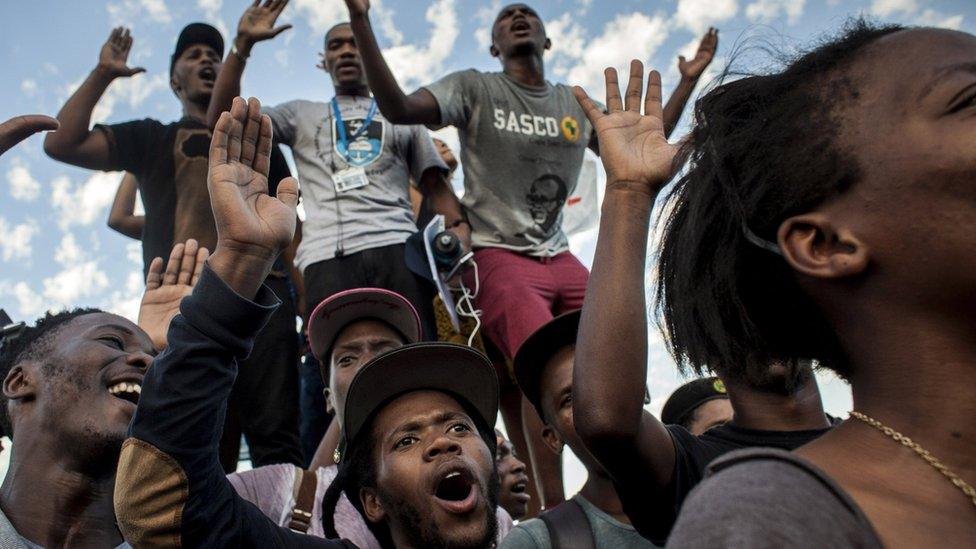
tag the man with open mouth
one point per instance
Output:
(513, 495)
(170, 164)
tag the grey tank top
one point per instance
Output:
(765, 497)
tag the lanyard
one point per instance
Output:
(341, 128)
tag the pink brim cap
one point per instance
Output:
(341, 309)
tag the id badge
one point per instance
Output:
(349, 179)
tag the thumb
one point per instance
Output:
(134, 71)
(288, 192)
(280, 30)
(681, 59)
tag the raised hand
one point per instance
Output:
(165, 289)
(114, 57)
(703, 57)
(357, 7)
(258, 22)
(19, 128)
(252, 227)
(634, 149)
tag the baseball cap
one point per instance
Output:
(341, 309)
(535, 352)
(458, 370)
(193, 34)
(689, 396)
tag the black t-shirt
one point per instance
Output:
(692, 454)
(170, 162)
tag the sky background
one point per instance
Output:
(55, 249)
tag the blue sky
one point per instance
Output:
(55, 249)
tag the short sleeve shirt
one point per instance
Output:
(378, 214)
(607, 531)
(170, 162)
(521, 152)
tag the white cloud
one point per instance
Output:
(68, 253)
(282, 57)
(85, 203)
(65, 288)
(127, 12)
(29, 87)
(415, 64)
(698, 15)
(23, 185)
(132, 91)
(767, 11)
(15, 240)
(126, 303)
(887, 8)
(909, 11)
(626, 37)
(485, 17)
(29, 302)
(568, 43)
(320, 15)
(932, 18)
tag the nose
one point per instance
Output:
(443, 445)
(518, 467)
(139, 360)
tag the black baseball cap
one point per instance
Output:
(535, 352)
(193, 34)
(458, 370)
(685, 399)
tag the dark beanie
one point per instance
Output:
(685, 399)
(193, 34)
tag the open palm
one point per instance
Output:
(166, 289)
(249, 221)
(114, 57)
(703, 57)
(633, 147)
(258, 21)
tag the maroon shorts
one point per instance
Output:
(519, 293)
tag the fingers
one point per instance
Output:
(252, 128)
(218, 143)
(614, 103)
(173, 265)
(280, 6)
(19, 128)
(288, 192)
(262, 161)
(593, 112)
(238, 114)
(187, 262)
(652, 101)
(155, 276)
(202, 255)
(632, 97)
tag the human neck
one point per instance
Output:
(599, 491)
(55, 502)
(361, 90)
(912, 376)
(525, 69)
(765, 411)
(195, 111)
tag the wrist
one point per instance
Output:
(242, 47)
(631, 190)
(104, 72)
(241, 270)
(689, 80)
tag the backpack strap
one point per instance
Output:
(306, 482)
(568, 526)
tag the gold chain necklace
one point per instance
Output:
(922, 453)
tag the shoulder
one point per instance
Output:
(527, 534)
(765, 497)
(267, 479)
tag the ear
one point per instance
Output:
(552, 440)
(548, 45)
(18, 384)
(174, 85)
(494, 51)
(372, 506)
(814, 246)
(329, 401)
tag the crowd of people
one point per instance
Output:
(816, 216)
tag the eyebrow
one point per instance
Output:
(941, 73)
(128, 331)
(442, 417)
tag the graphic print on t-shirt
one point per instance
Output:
(545, 200)
(366, 148)
(193, 216)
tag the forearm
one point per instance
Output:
(676, 104)
(611, 352)
(129, 225)
(228, 84)
(75, 120)
(440, 196)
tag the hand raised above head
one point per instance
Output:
(357, 7)
(252, 227)
(258, 22)
(114, 57)
(19, 128)
(703, 57)
(633, 147)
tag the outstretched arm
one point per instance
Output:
(420, 107)
(611, 350)
(690, 71)
(19, 128)
(256, 24)
(121, 218)
(74, 142)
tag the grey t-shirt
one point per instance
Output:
(521, 151)
(376, 215)
(764, 497)
(607, 531)
(10, 538)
